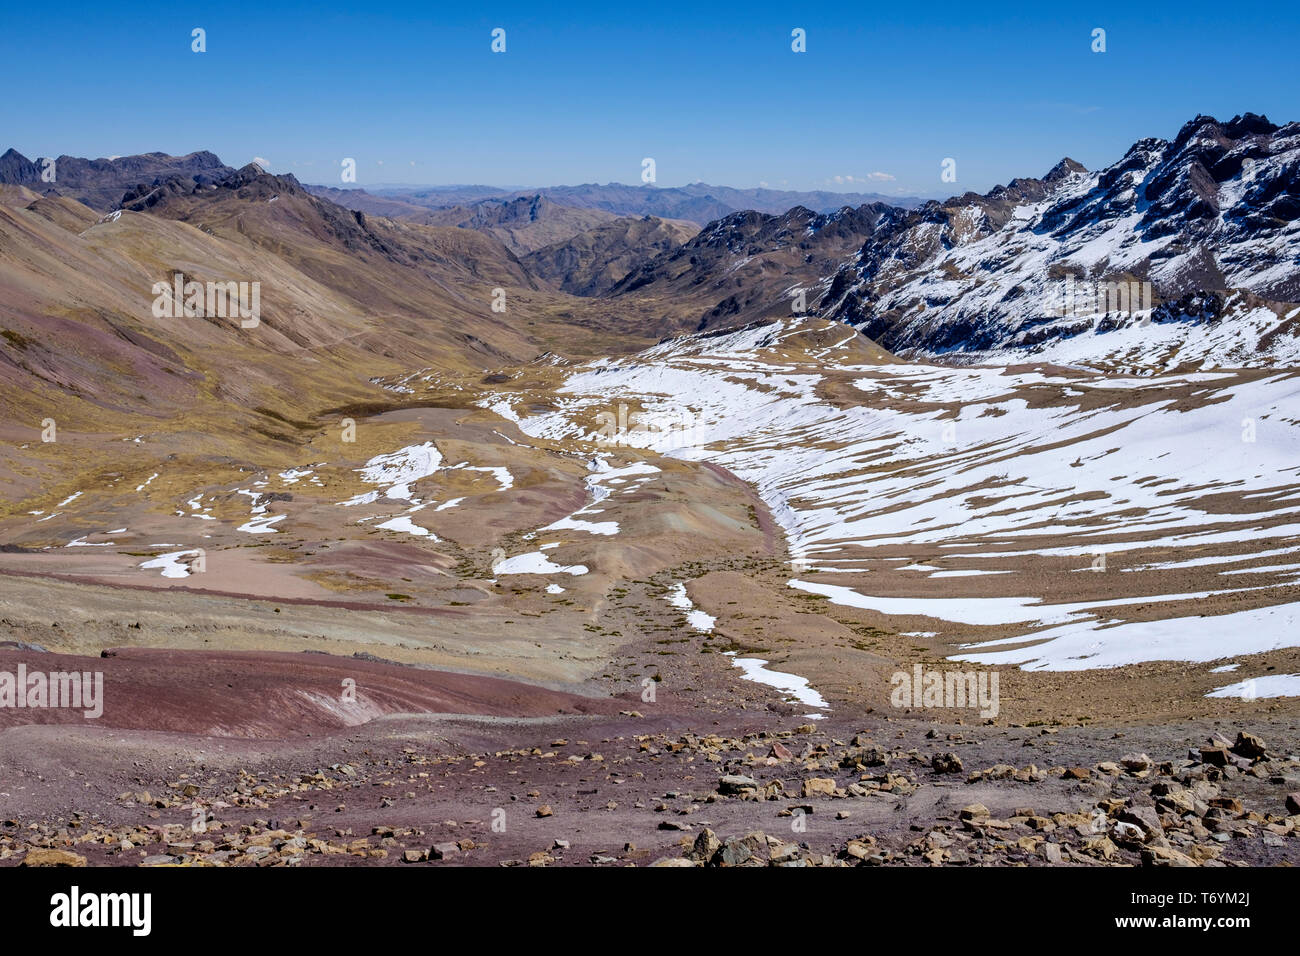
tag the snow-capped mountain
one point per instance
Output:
(1184, 250)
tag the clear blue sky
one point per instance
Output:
(712, 92)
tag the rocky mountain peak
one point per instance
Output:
(1066, 168)
(1210, 213)
(17, 169)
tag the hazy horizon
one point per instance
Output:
(875, 103)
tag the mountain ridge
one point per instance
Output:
(1205, 227)
(700, 203)
(1215, 213)
(100, 183)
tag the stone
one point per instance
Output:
(1214, 756)
(415, 856)
(819, 787)
(545, 810)
(865, 757)
(938, 838)
(1078, 773)
(674, 861)
(1293, 802)
(1249, 746)
(946, 763)
(734, 784)
(1178, 801)
(861, 848)
(780, 751)
(1136, 762)
(734, 853)
(1145, 819)
(976, 811)
(444, 851)
(42, 857)
(1204, 853)
(785, 853)
(1230, 804)
(1165, 856)
(1101, 847)
(706, 845)
(751, 849)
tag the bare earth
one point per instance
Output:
(486, 660)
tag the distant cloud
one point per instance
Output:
(876, 177)
(264, 163)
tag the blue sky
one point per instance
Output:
(584, 92)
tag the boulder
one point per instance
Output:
(946, 763)
(42, 857)
(819, 787)
(1249, 746)
(734, 784)
(1165, 856)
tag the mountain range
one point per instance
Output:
(699, 203)
(100, 183)
(618, 513)
(1202, 229)
(1210, 219)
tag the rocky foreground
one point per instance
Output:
(628, 791)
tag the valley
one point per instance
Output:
(627, 571)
